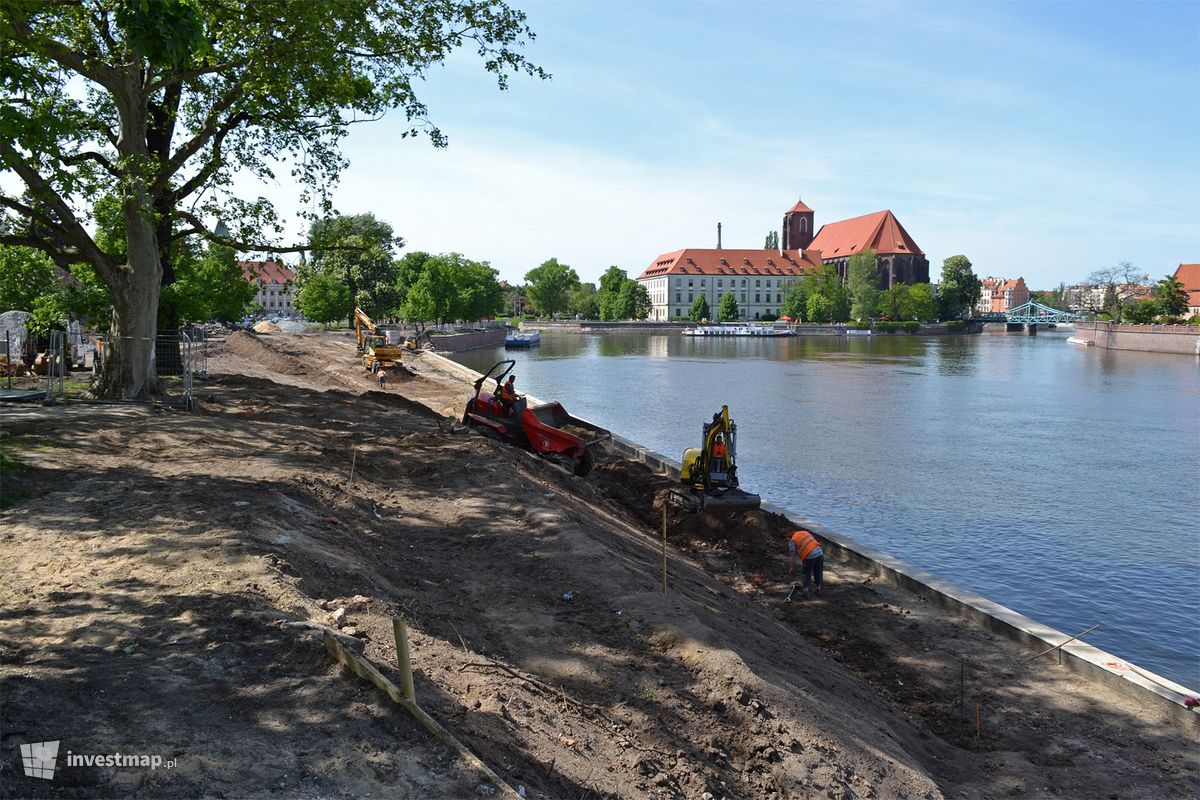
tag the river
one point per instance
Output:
(1057, 480)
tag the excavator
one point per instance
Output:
(373, 345)
(709, 472)
(546, 429)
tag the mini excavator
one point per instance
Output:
(709, 472)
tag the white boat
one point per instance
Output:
(761, 331)
(1077, 340)
(523, 339)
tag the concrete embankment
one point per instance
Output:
(645, 326)
(1075, 655)
(1176, 339)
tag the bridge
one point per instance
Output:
(1032, 314)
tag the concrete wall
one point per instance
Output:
(1178, 339)
(1076, 656)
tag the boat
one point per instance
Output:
(523, 339)
(760, 331)
(1077, 340)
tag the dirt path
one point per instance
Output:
(169, 572)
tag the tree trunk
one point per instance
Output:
(129, 370)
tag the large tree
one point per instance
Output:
(549, 284)
(163, 103)
(862, 281)
(700, 309)
(795, 301)
(1118, 284)
(610, 293)
(323, 298)
(1172, 297)
(634, 300)
(959, 291)
(727, 308)
(360, 250)
(25, 275)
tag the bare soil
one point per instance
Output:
(168, 576)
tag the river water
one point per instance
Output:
(1057, 480)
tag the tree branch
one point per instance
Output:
(68, 254)
(64, 56)
(226, 241)
(214, 162)
(67, 223)
(79, 158)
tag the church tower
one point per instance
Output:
(798, 227)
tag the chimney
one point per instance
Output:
(718, 236)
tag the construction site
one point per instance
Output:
(310, 582)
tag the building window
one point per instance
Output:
(778, 298)
(678, 297)
(691, 297)
(743, 283)
(720, 283)
(757, 283)
(758, 298)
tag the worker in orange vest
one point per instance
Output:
(508, 394)
(804, 546)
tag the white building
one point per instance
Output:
(276, 284)
(758, 279)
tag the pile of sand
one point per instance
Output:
(266, 326)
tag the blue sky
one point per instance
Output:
(1040, 139)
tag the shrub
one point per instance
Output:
(955, 325)
(1194, 319)
(859, 326)
(910, 326)
(769, 317)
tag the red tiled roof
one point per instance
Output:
(799, 207)
(880, 232)
(267, 271)
(694, 261)
(1194, 298)
(1189, 276)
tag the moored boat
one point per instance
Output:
(523, 339)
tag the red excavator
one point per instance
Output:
(542, 429)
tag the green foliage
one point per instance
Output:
(584, 302)
(210, 288)
(956, 326)
(323, 298)
(548, 285)
(700, 309)
(862, 281)
(358, 249)
(25, 275)
(820, 308)
(727, 309)
(892, 301)
(1194, 319)
(408, 271)
(960, 288)
(453, 287)
(610, 291)
(1141, 312)
(1111, 305)
(918, 303)
(1172, 297)
(634, 300)
(795, 301)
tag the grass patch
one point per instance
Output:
(11, 491)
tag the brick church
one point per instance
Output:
(897, 256)
(759, 278)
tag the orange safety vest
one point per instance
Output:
(718, 450)
(805, 544)
(507, 392)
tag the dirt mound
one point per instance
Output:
(267, 326)
(249, 346)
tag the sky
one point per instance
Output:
(1043, 139)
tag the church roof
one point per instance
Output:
(880, 232)
(1189, 276)
(799, 207)
(721, 261)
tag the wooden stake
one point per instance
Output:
(353, 461)
(403, 659)
(664, 548)
(365, 669)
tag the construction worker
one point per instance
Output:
(804, 546)
(382, 379)
(508, 394)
